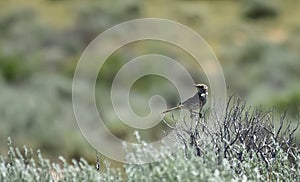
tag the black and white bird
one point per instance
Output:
(195, 103)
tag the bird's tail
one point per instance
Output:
(172, 109)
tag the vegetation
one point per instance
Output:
(242, 145)
(27, 165)
(256, 42)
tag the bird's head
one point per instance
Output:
(202, 88)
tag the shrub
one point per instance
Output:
(31, 166)
(257, 9)
(242, 145)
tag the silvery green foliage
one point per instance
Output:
(242, 146)
(27, 165)
(176, 167)
(183, 165)
(186, 165)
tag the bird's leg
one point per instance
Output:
(192, 114)
(195, 113)
(200, 114)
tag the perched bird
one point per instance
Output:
(193, 104)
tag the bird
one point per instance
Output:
(195, 102)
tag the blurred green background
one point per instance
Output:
(256, 41)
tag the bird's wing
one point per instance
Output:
(191, 100)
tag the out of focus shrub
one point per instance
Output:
(21, 38)
(14, 69)
(267, 74)
(39, 112)
(257, 9)
(94, 18)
